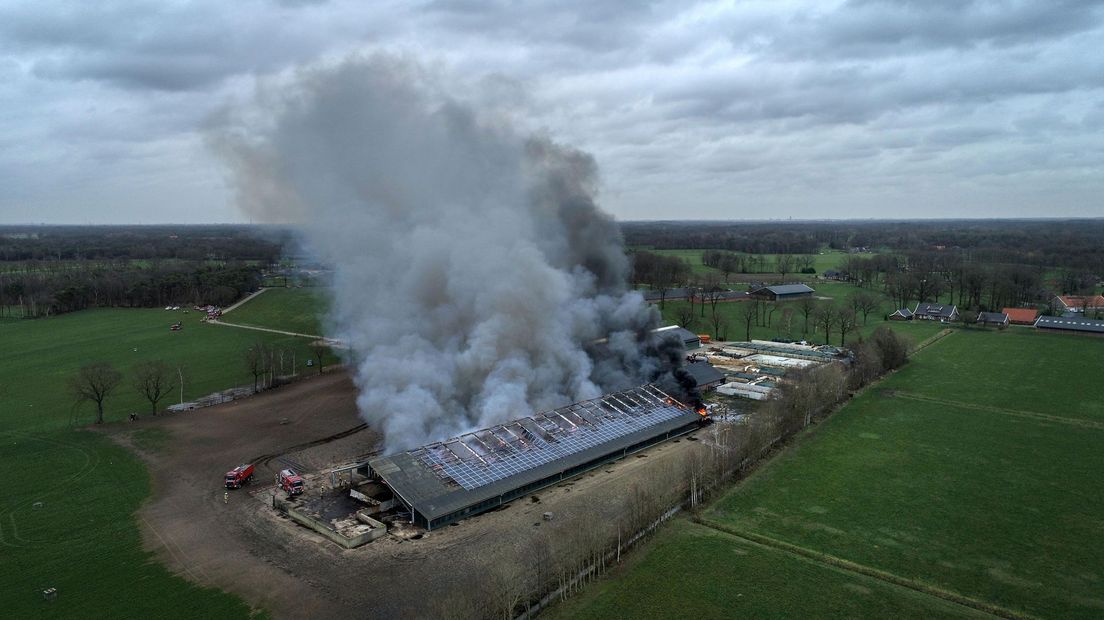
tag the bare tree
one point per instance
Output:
(865, 302)
(845, 322)
(153, 379)
(257, 359)
(807, 305)
(94, 383)
(685, 315)
(784, 265)
(748, 313)
(825, 317)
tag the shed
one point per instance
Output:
(689, 339)
(998, 319)
(783, 292)
(705, 374)
(1073, 325)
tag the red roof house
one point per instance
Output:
(1021, 316)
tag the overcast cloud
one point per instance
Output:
(732, 110)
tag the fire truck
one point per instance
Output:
(238, 476)
(290, 481)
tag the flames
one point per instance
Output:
(702, 411)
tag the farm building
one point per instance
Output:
(935, 312)
(1079, 303)
(670, 294)
(444, 482)
(1021, 316)
(904, 314)
(705, 374)
(783, 292)
(1073, 325)
(996, 319)
(689, 339)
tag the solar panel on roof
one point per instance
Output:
(550, 436)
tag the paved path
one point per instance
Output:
(265, 329)
(247, 298)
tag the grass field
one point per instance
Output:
(840, 294)
(828, 259)
(67, 514)
(973, 472)
(289, 309)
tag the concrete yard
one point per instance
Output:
(246, 547)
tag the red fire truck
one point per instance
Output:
(290, 481)
(238, 476)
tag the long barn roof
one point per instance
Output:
(442, 478)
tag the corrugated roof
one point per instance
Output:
(448, 476)
(992, 317)
(788, 289)
(1076, 324)
(704, 372)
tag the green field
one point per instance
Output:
(839, 293)
(973, 472)
(82, 538)
(827, 259)
(288, 309)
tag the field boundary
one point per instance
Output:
(930, 341)
(1030, 415)
(265, 329)
(861, 569)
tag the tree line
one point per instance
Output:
(155, 379)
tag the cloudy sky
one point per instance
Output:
(731, 110)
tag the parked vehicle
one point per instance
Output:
(239, 476)
(290, 481)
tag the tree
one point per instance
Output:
(257, 359)
(319, 351)
(865, 302)
(94, 383)
(153, 380)
(748, 313)
(825, 317)
(845, 322)
(807, 305)
(785, 265)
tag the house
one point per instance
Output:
(689, 339)
(1070, 325)
(935, 312)
(1079, 303)
(783, 292)
(834, 274)
(705, 374)
(998, 319)
(904, 314)
(1021, 316)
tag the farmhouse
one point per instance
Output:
(1079, 303)
(935, 312)
(998, 319)
(1072, 325)
(449, 480)
(1021, 316)
(904, 314)
(783, 292)
(705, 374)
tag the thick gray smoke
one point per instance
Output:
(473, 269)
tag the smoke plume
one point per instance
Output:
(476, 280)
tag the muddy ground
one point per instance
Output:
(245, 547)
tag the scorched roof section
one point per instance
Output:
(485, 456)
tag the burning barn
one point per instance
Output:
(450, 480)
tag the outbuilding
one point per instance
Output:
(996, 319)
(904, 314)
(783, 292)
(1021, 316)
(1072, 325)
(705, 374)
